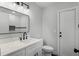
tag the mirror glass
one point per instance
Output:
(12, 21)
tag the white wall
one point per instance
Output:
(35, 14)
(50, 23)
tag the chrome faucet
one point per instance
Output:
(24, 36)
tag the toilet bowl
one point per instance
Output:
(47, 50)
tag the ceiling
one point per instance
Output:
(44, 4)
(47, 4)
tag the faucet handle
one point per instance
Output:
(20, 38)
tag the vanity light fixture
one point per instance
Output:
(22, 4)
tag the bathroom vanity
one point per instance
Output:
(29, 47)
(14, 22)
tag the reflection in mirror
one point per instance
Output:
(13, 22)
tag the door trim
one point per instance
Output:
(58, 26)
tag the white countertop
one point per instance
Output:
(10, 47)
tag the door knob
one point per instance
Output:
(60, 34)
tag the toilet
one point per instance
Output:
(47, 50)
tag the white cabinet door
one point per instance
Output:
(34, 49)
(18, 53)
(67, 30)
(39, 51)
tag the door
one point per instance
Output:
(67, 22)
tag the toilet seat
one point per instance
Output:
(48, 49)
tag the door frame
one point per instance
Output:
(58, 26)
